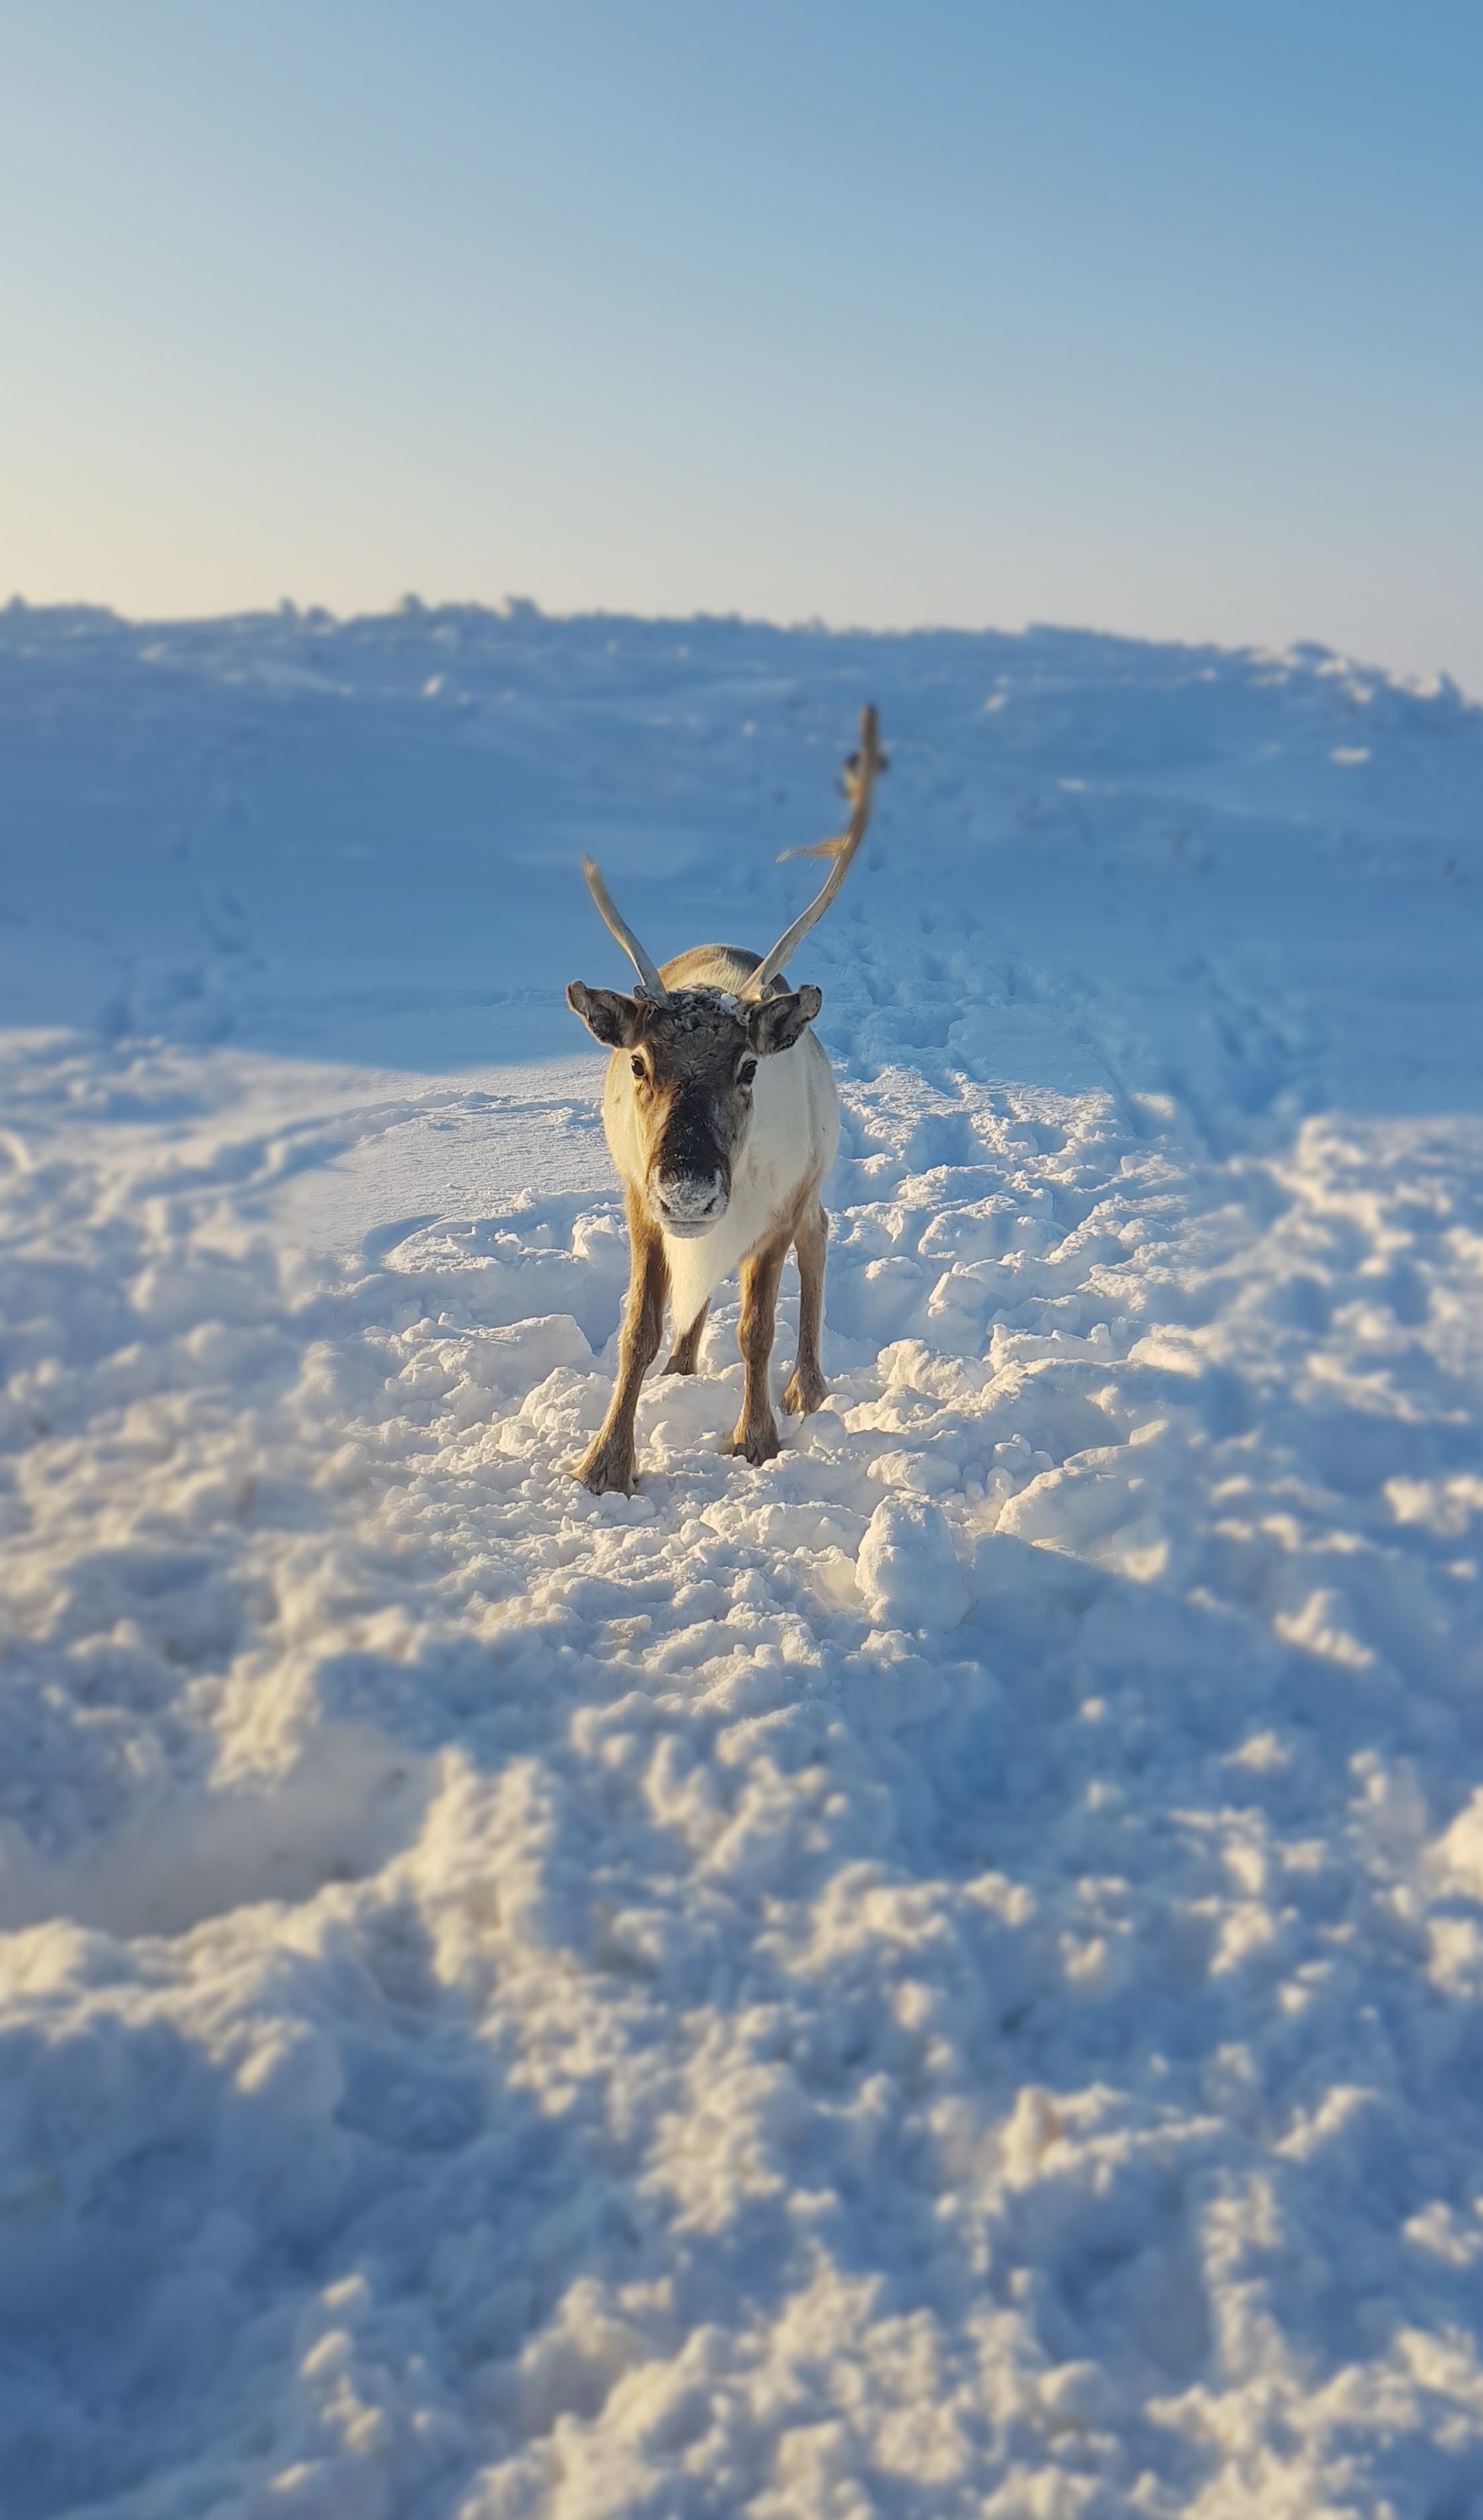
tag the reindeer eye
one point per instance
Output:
(639, 1068)
(746, 1071)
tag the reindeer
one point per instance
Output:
(721, 1115)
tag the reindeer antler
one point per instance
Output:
(612, 919)
(860, 775)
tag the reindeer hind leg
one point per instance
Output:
(687, 1347)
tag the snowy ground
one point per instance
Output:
(940, 1976)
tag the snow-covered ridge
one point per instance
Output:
(940, 1976)
(358, 839)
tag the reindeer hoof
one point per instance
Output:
(606, 1473)
(804, 1393)
(757, 1444)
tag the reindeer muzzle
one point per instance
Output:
(688, 1204)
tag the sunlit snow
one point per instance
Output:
(940, 1976)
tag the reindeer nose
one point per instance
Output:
(689, 1204)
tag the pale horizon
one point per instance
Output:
(975, 319)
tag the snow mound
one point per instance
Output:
(907, 1570)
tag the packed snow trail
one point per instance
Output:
(943, 1975)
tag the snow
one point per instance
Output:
(941, 1975)
(907, 1567)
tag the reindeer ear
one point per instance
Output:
(778, 1022)
(609, 1017)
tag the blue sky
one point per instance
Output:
(1155, 315)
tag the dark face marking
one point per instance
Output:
(692, 1062)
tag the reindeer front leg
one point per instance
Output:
(609, 1467)
(807, 1389)
(756, 1430)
